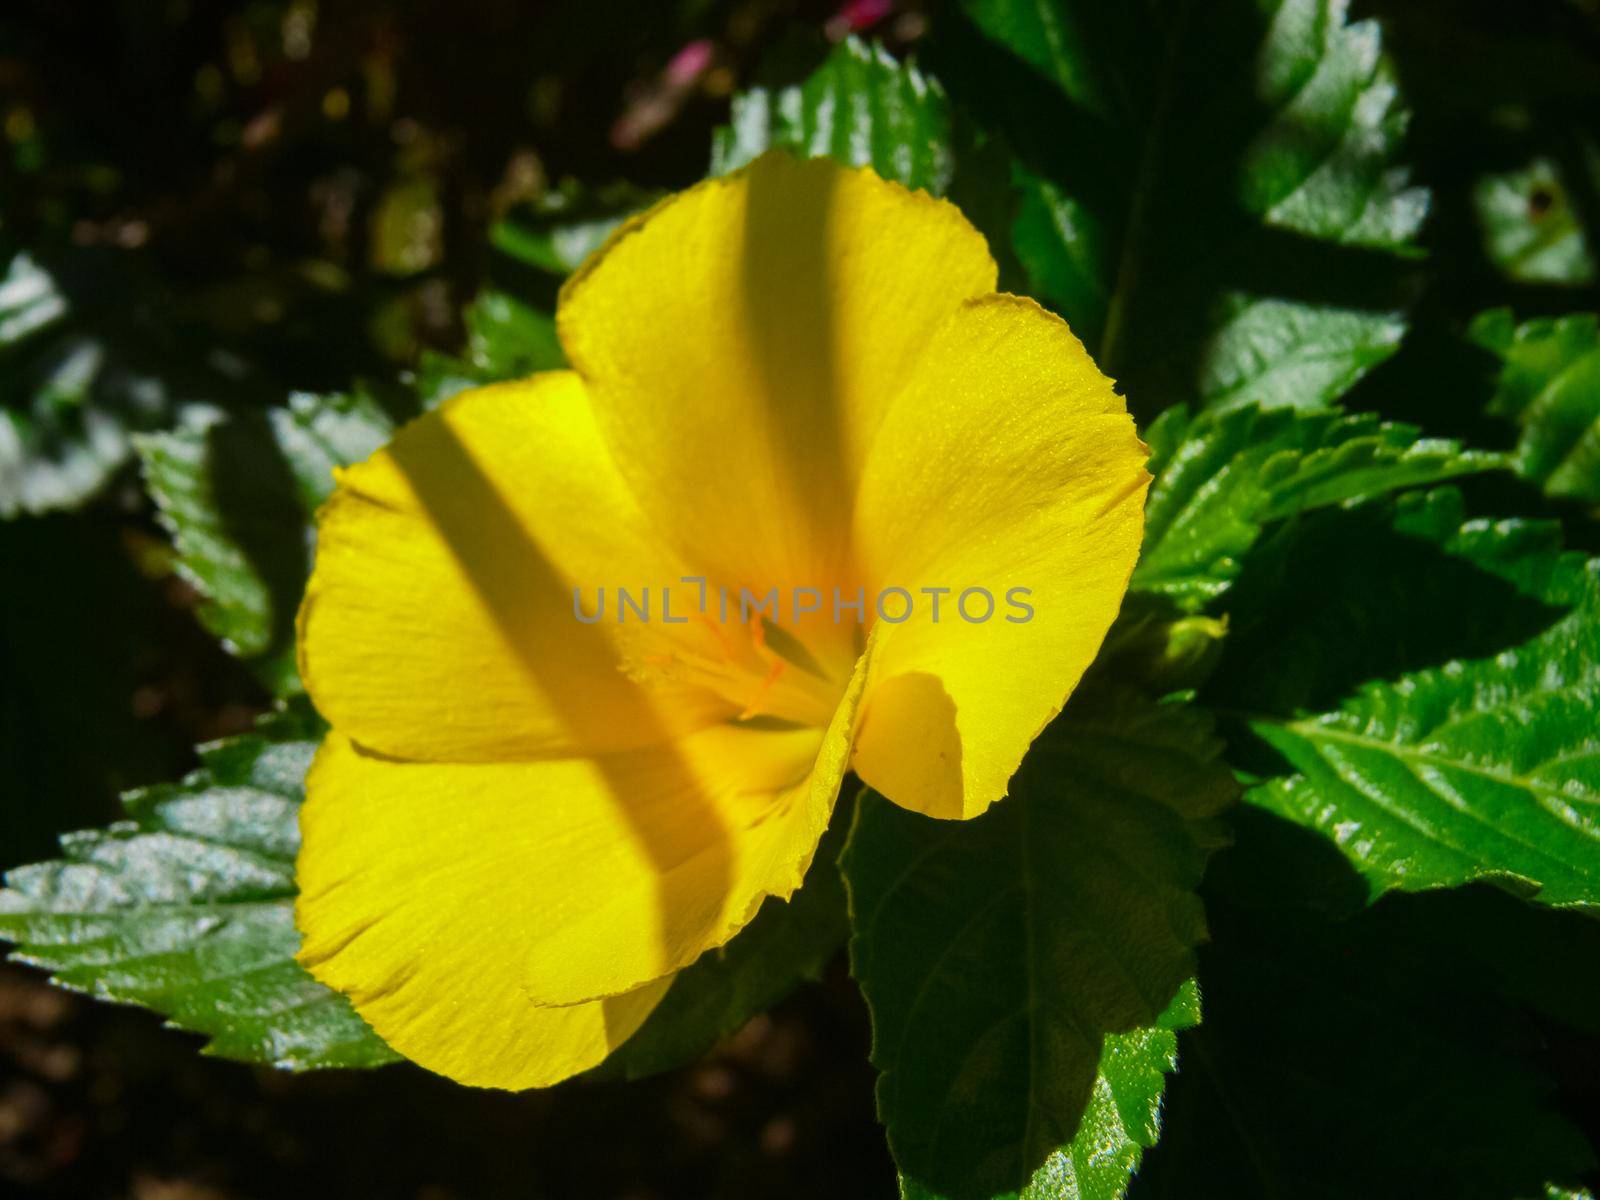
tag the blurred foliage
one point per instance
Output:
(314, 181)
(1531, 228)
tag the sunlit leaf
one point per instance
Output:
(187, 908)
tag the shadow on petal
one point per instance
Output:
(478, 525)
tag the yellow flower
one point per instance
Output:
(796, 377)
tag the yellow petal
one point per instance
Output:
(439, 620)
(742, 341)
(427, 887)
(1007, 462)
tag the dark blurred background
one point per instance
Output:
(272, 195)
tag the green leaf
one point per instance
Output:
(555, 233)
(1055, 39)
(237, 492)
(76, 382)
(440, 376)
(1545, 960)
(1374, 1058)
(1025, 969)
(1239, 238)
(1530, 230)
(187, 908)
(1483, 768)
(1121, 1120)
(507, 338)
(1221, 478)
(1066, 261)
(861, 106)
(1550, 386)
(787, 943)
(238, 489)
(1346, 595)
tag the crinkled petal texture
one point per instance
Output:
(1007, 462)
(455, 902)
(439, 621)
(428, 963)
(794, 376)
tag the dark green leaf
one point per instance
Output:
(1025, 968)
(1547, 961)
(1056, 39)
(1220, 479)
(1483, 768)
(861, 106)
(1345, 595)
(1550, 386)
(1385, 1057)
(1066, 260)
(1210, 191)
(237, 493)
(187, 908)
(1121, 1120)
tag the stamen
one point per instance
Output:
(735, 662)
(754, 707)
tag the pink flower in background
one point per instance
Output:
(857, 15)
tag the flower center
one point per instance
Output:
(761, 670)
